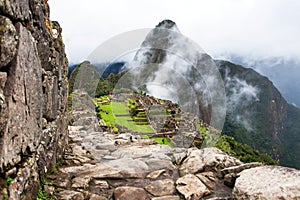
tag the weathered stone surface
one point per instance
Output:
(70, 195)
(166, 198)
(101, 184)
(229, 179)
(121, 168)
(156, 174)
(268, 182)
(129, 193)
(49, 189)
(231, 173)
(81, 182)
(191, 187)
(239, 168)
(159, 163)
(24, 98)
(208, 159)
(3, 79)
(207, 180)
(154, 151)
(17, 9)
(161, 187)
(97, 197)
(61, 180)
(31, 142)
(210, 175)
(178, 157)
(128, 167)
(8, 41)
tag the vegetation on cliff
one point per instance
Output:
(243, 152)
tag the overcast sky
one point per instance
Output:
(257, 28)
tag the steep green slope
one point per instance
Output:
(290, 139)
(258, 115)
(243, 152)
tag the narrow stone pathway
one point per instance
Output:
(103, 165)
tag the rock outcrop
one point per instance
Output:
(268, 182)
(33, 93)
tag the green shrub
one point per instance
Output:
(43, 195)
(9, 180)
(243, 152)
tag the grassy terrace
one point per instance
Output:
(113, 113)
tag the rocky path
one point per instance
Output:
(101, 165)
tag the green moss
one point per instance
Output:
(43, 195)
(9, 180)
(163, 140)
(145, 137)
(116, 130)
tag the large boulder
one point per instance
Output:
(207, 159)
(191, 187)
(129, 193)
(268, 182)
(161, 187)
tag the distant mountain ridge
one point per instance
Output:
(105, 69)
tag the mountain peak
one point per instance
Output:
(168, 24)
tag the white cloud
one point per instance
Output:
(250, 27)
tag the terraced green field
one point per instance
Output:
(114, 113)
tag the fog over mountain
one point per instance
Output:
(283, 72)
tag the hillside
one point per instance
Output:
(258, 115)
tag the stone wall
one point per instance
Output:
(33, 96)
